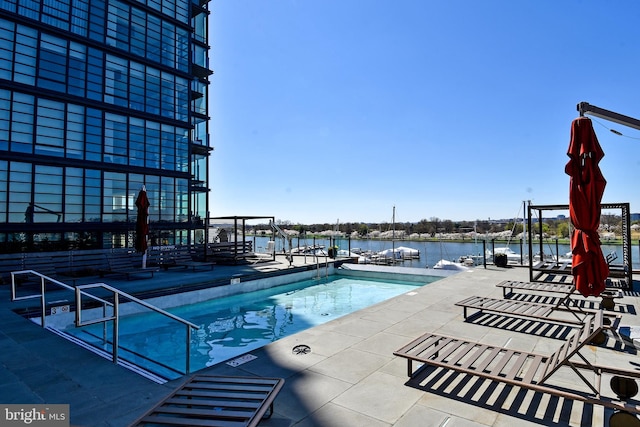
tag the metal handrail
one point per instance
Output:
(42, 295)
(79, 292)
(115, 317)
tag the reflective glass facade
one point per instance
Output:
(97, 99)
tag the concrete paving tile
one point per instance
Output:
(351, 365)
(306, 392)
(381, 396)
(429, 417)
(332, 415)
(397, 366)
(427, 320)
(359, 327)
(382, 343)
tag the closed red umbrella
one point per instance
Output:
(142, 223)
(589, 267)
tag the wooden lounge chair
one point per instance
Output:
(532, 310)
(565, 290)
(526, 370)
(180, 257)
(123, 265)
(206, 400)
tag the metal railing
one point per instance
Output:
(79, 292)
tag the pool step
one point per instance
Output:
(125, 364)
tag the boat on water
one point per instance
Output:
(408, 253)
(309, 250)
(444, 264)
(512, 257)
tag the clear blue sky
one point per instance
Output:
(327, 110)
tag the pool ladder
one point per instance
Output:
(107, 307)
(326, 266)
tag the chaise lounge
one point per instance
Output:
(565, 290)
(557, 313)
(530, 370)
(206, 400)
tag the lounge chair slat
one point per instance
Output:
(180, 421)
(221, 395)
(489, 358)
(422, 342)
(199, 409)
(460, 351)
(517, 365)
(504, 359)
(238, 401)
(533, 367)
(439, 348)
(480, 349)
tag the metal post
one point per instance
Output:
(43, 302)
(188, 361)
(484, 253)
(104, 324)
(521, 253)
(115, 328)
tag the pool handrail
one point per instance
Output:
(79, 291)
(44, 279)
(115, 317)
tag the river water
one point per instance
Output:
(432, 252)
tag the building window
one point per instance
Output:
(52, 68)
(73, 195)
(136, 142)
(22, 123)
(93, 135)
(92, 195)
(114, 200)
(4, 181)
(47, 194)
(56, 13)
(7, 41)
(50, 128)
(24, 69)
(20, 206)
(116, 81)
(5, 118)
(77, 69)
(75, 136)
(115, 139)
(95, 73)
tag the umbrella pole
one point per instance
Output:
(144, 259)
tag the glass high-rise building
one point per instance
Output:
(97, 99)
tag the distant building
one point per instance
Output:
(97, 99)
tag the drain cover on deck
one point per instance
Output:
(301, 349)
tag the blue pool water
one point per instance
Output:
(234, 325)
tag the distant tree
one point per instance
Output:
(563, 230)
(363, 230)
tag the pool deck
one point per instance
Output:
(349, 378)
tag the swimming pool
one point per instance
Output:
(234, 325)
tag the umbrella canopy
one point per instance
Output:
(142, 224)
(589, 268)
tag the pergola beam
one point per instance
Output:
(592, 110)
